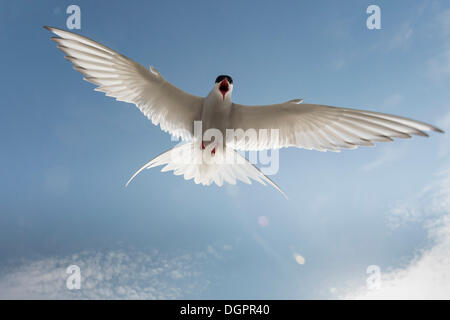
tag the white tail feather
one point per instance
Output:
(224, 166)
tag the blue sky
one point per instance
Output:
(68, 151)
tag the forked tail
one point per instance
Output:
(205, 167)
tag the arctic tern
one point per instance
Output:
(288, 124)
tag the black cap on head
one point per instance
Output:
(222, 77)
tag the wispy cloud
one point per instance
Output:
(120, 274)
(426, 276)
(431, 202)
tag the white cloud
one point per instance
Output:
(120, 274)
(427, 276)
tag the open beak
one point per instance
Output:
(224, 87)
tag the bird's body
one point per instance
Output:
(226, 126)
(216, 112)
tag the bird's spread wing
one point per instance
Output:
(122, 78)
(317, 127)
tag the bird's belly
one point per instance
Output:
(214, 125)
(215, 120)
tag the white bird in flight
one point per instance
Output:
(288, 124)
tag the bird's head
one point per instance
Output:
(224, 86)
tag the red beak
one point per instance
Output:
(224, 87)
